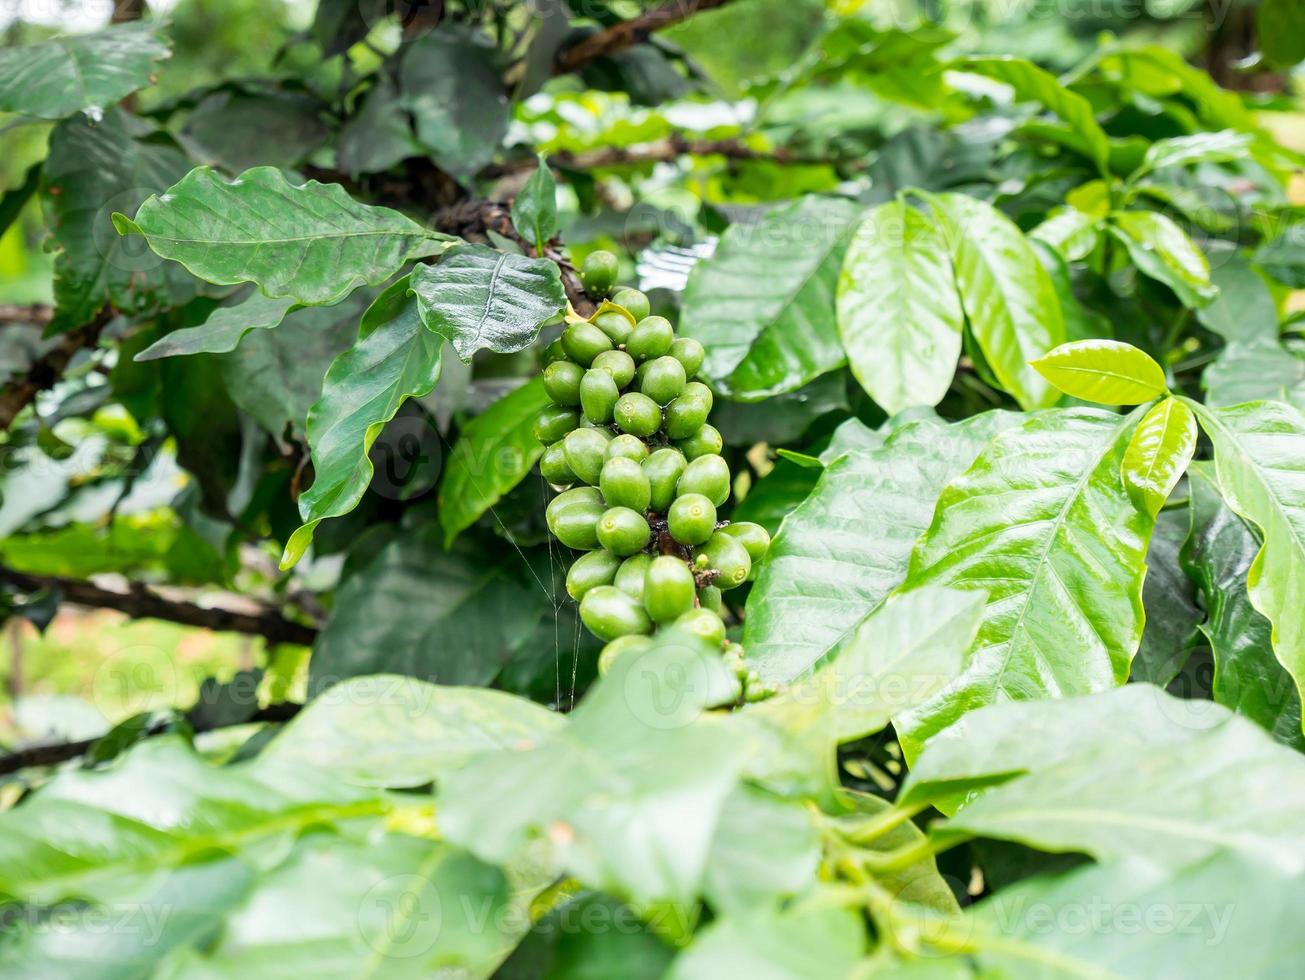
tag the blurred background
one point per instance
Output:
(97, 495)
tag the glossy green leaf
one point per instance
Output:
(395, 358)
(1218, 555)
(1158, 453)
(1042, 522)
(452, 617)
(493, 454)
(389, 730)
(477, 298)
(1070, 232)
(1259, 453)
(1105, 371)
(449, 80)
(1179, 151)
(1034, 84)
(628, 794)
(898, 314)
(534, 209)
(79, 72)
(840, 552)
(1171, 604)
(93, 169)
(1163, 251)
(311, 242)
(764, 304)
(1008, 296)
(223, 329)
(1199, 780)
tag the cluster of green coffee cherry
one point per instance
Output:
(628, 433)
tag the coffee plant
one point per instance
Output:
(707, 488)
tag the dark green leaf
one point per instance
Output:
(222, 331)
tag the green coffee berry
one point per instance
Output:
(624, 484)
(638, 414)
(618, 364)
(688, 352)
(554, 424)
(688, 413)
(610, 613)
(598, 395)
(562, 382)
(709, 598)
(576, 526)
(668, 589)
(615, 324)
(623, 531)
(618, 648)
(663, 468)
(585, 449)
(652, 337)
(590, 571)
(754, 538)
(633, 301)
(630, 576)
(663, 379)
(730, 560)
(703, 623)
(570, 498)
(627, 447)
(583, 342)
(599, 271)
(692, 519)
(554, 466)
(704, 442)
(709, 476)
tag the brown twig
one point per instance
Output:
(618, 37)
(142, 603)
(37, 315)
(49, 368)
(49, 755)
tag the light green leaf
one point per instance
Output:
(628, 794)
(848, 545)
(1131, 773)
(223, 329)
(534, 209)
(1070, 232)
(1034, 84)
(1043, 523)
(494, 452)
(1217, 556)
(79, 72)
(1259, 454)
(1163, 251)
(1158, 453)
(763, 304)
(1109, 372)
(1178, 151)
(816, 944)
(478, 298)
(766, 849)
(899, 317)
(1218, 918)
(394, 358)
(901, 655)
(311, 242)
(1257, 370)
(389, 730)
(452, 617)
(93, 168)
(1008, 296)
(450, 82)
